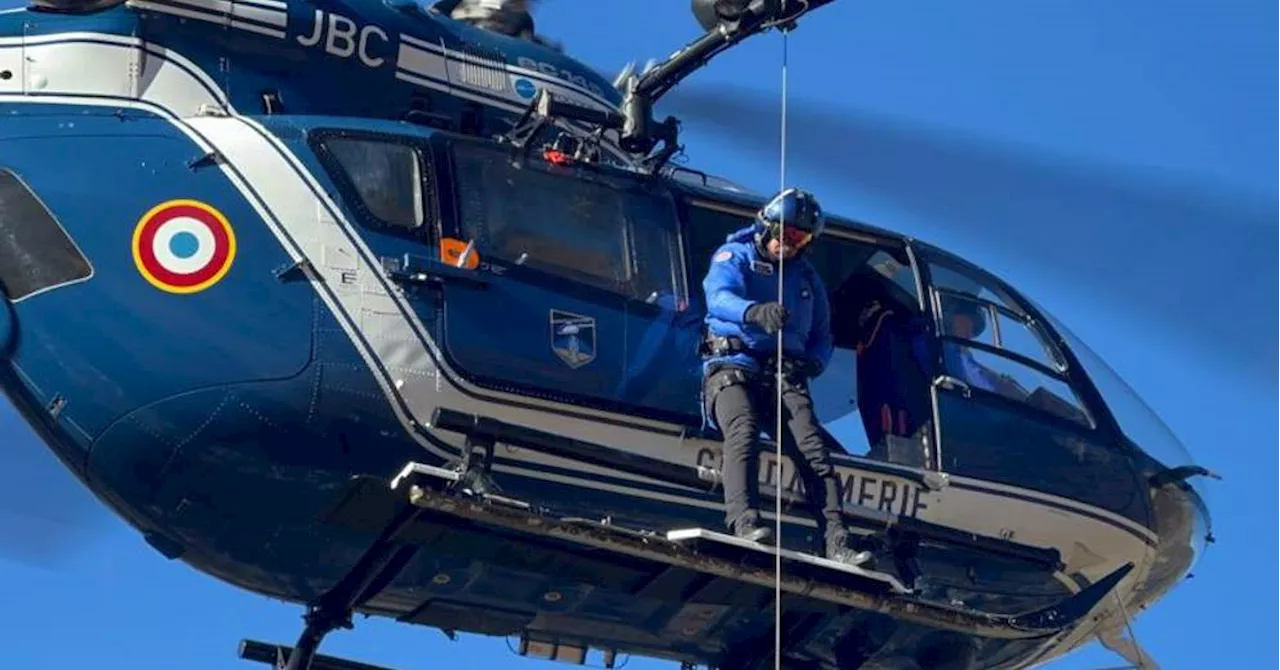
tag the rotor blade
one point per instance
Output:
(46, 515)
(1189, 261)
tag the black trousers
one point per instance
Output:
(741, 410)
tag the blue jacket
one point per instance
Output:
(739, 278)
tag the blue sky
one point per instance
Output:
(1171, 86)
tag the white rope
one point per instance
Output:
(1141, 663)
(777, 412)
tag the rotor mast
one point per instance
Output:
(727, 22)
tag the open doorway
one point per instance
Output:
(875, 311)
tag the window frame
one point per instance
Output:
(428, 229)
(556, 275)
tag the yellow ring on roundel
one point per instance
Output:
(205, 266)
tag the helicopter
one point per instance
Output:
(399, 317)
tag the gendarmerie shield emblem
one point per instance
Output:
(573, 338)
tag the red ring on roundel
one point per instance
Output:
(160, 276)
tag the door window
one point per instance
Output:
(613, 237)
(386, 176)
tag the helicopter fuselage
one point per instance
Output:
(252, 282)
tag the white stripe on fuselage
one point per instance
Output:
(248, 17)
(557, 83)
(485, 81)
(294, 205)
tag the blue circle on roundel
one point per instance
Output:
(525, 88)
(184, 245)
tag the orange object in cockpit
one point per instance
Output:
(452, 250)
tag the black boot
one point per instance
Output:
(754, 532)
(838, 549)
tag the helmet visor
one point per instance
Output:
(795, 237)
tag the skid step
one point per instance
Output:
(722, 556)
(413, 471)
(710, 543)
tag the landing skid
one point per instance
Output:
(377, 568)
(431, 495)
(747, 562)
(272, 654)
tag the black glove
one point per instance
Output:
(770, 316)
(810, 368)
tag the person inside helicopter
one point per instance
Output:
(744, 316)
(965, 319)
(893, 371)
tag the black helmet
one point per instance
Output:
(793, 212)
(953, 306)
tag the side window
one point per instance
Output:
(387, 176)
(897, 271)
(659, 278)
(962, 282)
(707, 230)
(584, 231)
(35, 252)
(991, 344)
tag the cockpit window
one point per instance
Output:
(1137, 420)
(996, 326)
(1003, 376)
(620, 240)
(965, 283)
(386, 175)
(990, 344)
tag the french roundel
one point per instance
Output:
(183, 246)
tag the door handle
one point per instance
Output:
(420, 271)
(952, 383)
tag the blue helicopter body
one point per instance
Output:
(240, 299)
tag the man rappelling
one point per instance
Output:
(745, 313)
